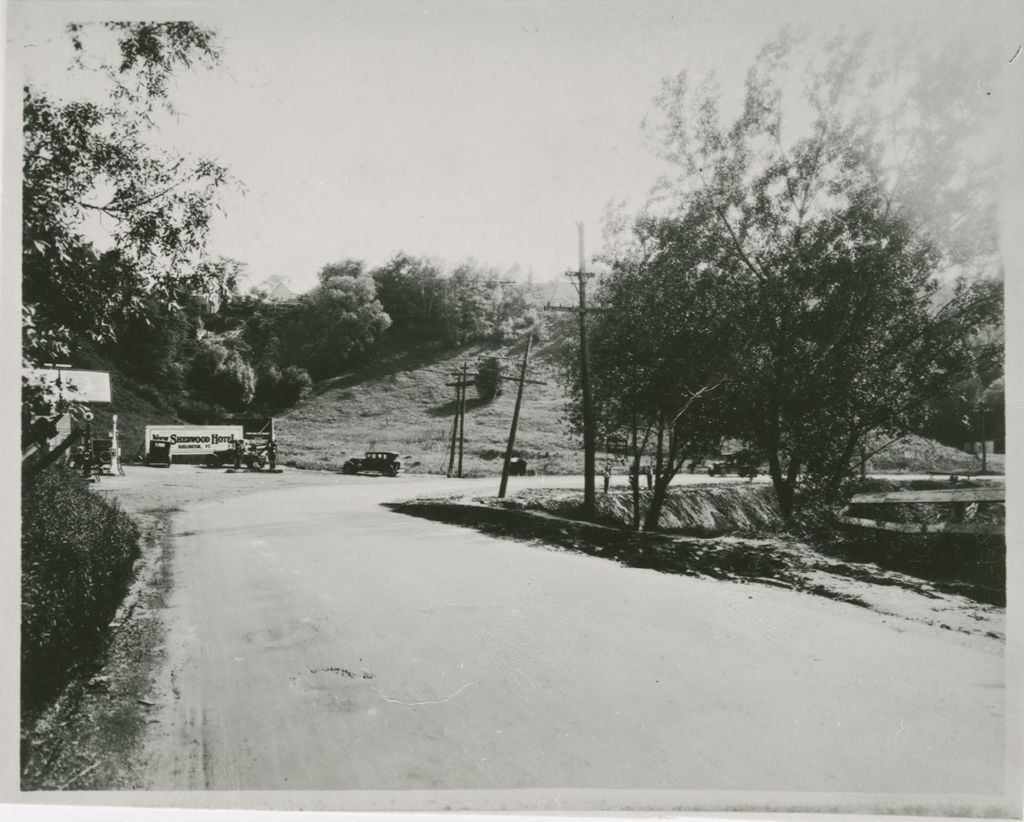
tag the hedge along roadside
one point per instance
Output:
(77, 557)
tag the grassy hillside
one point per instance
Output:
(914, 454)
(401, 403)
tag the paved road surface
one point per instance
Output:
(319, 641)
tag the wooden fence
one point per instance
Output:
(957, 498)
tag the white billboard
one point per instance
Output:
(194, 439)
(74, 383)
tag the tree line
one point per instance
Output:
(817, 270)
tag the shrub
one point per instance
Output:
(77, 553)
(488, 379)
(221, 374)
(294, 384)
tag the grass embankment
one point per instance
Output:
(705, 510)
(917, 455)
(402, 403)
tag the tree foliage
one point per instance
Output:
(471, 303)
(851, 247)
(92, 169)
(659, 351)
(411, 290)
(334, 322)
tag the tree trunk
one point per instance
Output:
(667, 469)
(784, 485)
(635, 480)
(660, 463)
(658, 496)
(842, 466)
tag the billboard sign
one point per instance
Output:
(74, 383)
(194, 439)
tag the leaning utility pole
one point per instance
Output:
(458, 425)
(589, 479)
(455, 430)
(515, 415)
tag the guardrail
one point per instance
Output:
(958, 498)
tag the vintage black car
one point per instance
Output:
(381, 462)
(744, 463)
(159, 453)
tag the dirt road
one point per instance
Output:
(316, 640)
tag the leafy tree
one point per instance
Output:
(659, 353)
(470, 304)
(859, 235)
(294, 384)
(479, 306)
(154, 345)
(411, 290)
(84, 159)
(276, 387)
(337, 320)
(221, 375)
(343, 268)
(40, 344)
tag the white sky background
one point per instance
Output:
(451, 129)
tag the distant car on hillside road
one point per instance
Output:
(381, 462)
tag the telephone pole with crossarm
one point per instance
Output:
(589, 437)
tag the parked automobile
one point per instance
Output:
(744, 463)
(159, 453)
(381, 462)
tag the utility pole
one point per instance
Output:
(460, 391)
(589, 479)
(455, 430)
(515, 415)
(462, 418)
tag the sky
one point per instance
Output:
(446, 129)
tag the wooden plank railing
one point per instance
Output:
(994, 494)
(959, 498)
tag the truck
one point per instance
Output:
(164, 442)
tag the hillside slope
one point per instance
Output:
(401, 403)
